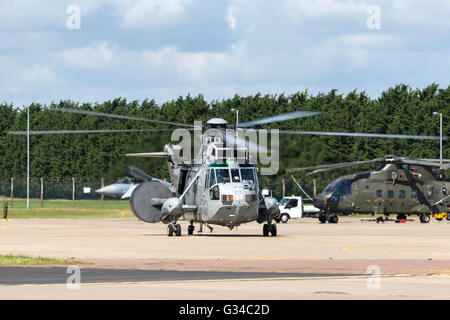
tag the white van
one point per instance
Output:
(296, 207)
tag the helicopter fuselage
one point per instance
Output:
(394, 189)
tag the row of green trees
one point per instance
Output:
(398, 110)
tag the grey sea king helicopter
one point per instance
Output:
(220, 187)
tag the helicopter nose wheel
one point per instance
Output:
(333, 219)
(174, 228)
(269, 228)
(330, 217)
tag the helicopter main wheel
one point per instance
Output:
(191, 229)
(424, 218)
(401, 217)
(265, 230)
(333, 219)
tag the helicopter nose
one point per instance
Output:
(319, 202)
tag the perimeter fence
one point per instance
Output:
(75, 188)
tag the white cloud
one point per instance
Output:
(193, 67)
(98, 56)
(17, 80)
(155, 13)
(230, 18)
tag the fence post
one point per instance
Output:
(12, 191)
(102, 196)
(284, 188)
(73, 190)
(315, 189)
(42, 192)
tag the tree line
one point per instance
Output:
(398, 110)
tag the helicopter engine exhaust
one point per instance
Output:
(147, 200)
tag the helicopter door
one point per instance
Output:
(378, 202)
(182, 181)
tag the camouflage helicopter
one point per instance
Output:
(220, 186)
(400, 186)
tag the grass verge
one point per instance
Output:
(19, 260)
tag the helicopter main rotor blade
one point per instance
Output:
(84, 131)
(434, 160)
(281, 117)
(369, 135)
(118, 116)
(325, 167)
(444, 166)
(148, 155)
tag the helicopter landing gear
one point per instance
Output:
(424, 218)
(327, 216)
(174, 227)
(401, 217)
(333, 219)
(322, 217)
(269, 228)
(191, 228)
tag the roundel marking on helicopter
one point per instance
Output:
(141, 201)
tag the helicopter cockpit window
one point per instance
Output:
(247, 175)
(212, 178)
(223, 175)
(235, 175)
(339, 187)
(430, 195)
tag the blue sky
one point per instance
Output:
(161, 49)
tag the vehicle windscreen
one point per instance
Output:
(284, 200)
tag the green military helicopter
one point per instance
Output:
(401, 186)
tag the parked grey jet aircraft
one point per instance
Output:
(125, 186)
